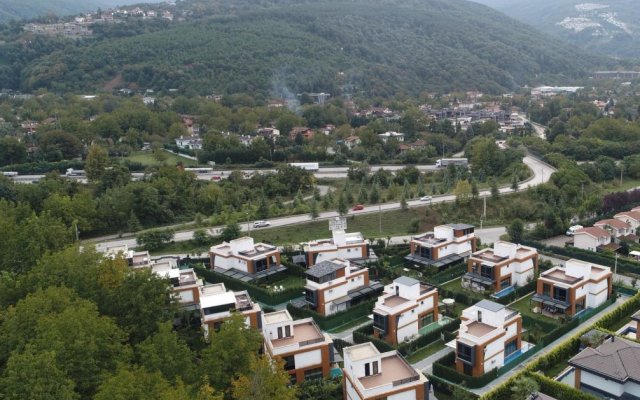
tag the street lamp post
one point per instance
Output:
(248, 224)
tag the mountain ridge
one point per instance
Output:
(321, 46)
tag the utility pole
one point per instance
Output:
(248, 224)
(621, 171)
(615, 268)
(484, 208)
(380, 217)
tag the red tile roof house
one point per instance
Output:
(617, 228)
(307, 133)
(593, 239)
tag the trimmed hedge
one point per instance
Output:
(442, 385)
(407, 348)
(364, 334)
(333, 320)
(560, 390)
(453, 272)
(597, 258)
(442, 369)
(257, 293)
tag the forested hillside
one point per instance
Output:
(609, 27)
(21, 9)
(381, 48)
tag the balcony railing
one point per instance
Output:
(512, 314)
(310, 342)
(405, 380)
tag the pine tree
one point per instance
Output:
(514, 183)
(420, 188)
(374, 195)
(313, 208)
(133, 224)
(363, 196)
(475, 193)
(495, 191)
(343, 208)
(263, 207)
(403, 202)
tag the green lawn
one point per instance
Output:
(394, 223)
(146, 158)
(456, 286)
(426, 351)
(524, 306)
(350, 324)
(614, 186)
(286, 281)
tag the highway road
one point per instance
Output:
(541, 173)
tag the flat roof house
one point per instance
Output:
(185, 284)
(369, 374)
(500, 268)
(346, 246)
(333, 286)
(135, 259)
(446, 245)
(306, 351)
(593, 238)
(245, 260)
(568, 290)
(611, 370)
(406, 307)
(217, 303)
(490, 335)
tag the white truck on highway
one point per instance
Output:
(309, 166)
(445, 162)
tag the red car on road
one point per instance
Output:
(358, 207)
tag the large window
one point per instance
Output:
(424, 252)
(505, 283)
(289, 363)
(510, 347)
(310, 296)
(380, 322)
(546, 289)
(424, 321)
(260, 265)
(218, 309)
(465, 353)
(486, 271)
(560, 294)
(315, 373)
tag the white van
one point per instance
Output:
(573, 229)
(260, 224)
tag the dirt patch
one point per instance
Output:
(114, 83)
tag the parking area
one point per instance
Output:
(558, 241)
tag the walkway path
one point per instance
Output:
(426, 365)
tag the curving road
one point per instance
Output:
(541, 173)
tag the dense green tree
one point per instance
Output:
(97, 159)
(35, 375)
(343, 207)
(516, 231)
(265, 380)
(167, 353)
(523, 387)
(154, 240)
(231, 231)
(12, 151)
(136, 383)
(231, 352)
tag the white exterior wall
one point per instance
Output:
(632, 388)
(443, 232)
(597, 293)
(408, 395)
(308, 359)
(231, 262)
(582, 291)
(585, 242)
(634, 224)
(495, 349)
(344, 253)
(522, 279)
(351, 392)
(600, 383)
(186, 296)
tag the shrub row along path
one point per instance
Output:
(541, 173)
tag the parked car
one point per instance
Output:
(573, 229)
(260, 224)
(216, 178)
(426, 198)
(358, 207)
